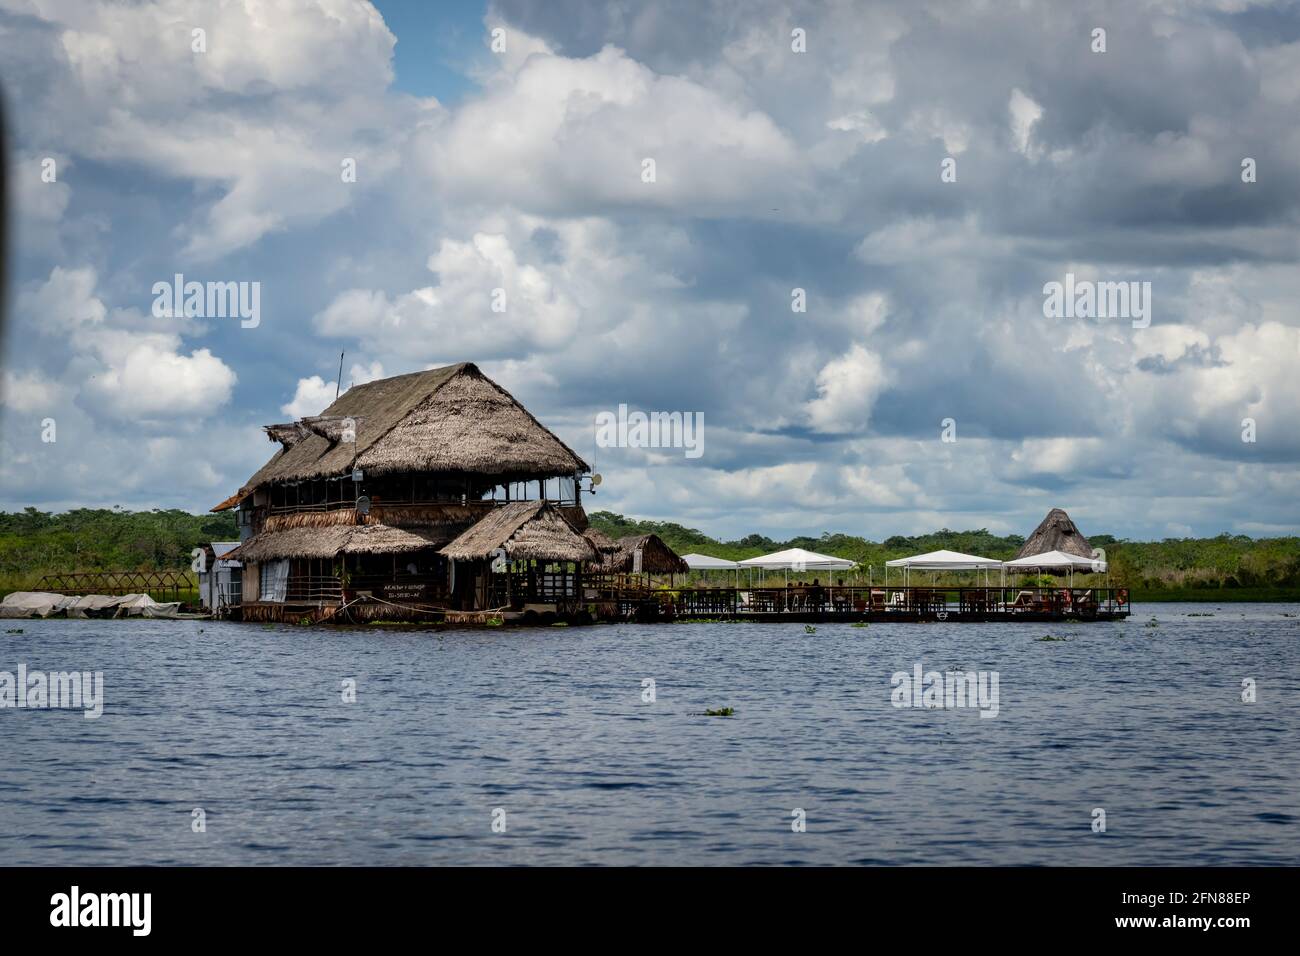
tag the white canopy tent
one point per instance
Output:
(941, 561)
(1057, 561)
(706, 562)
(798, 560)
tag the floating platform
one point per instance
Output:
(822, 605)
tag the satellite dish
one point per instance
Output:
(363, 505)
(595, 480)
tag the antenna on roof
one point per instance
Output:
(339, 381)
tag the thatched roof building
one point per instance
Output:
(655, 557)
(525, 530)
(452, 419)
(378, 499)
(1056, 533)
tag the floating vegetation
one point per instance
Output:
(1048, 637)
(1152, 623)
(14, 630)
(560, 624)
(1198, 614)
(491, 622)
(859, 624)
(809, 629)
(720, 712)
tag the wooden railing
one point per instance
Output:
(380, 501)
(169, 584)
(313, 589)
(854, 602)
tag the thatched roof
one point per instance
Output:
(329, 542)
(1056, 533)
(450, 519)
(600, 541)
(656, 557)
(288, 434)
(526, 530)
(452, 419)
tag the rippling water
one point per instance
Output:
(247, 722)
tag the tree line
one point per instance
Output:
(34, 542)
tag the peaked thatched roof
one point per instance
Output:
(600, 541)
(452, 419)
(1056, 533)
(656, 557)
(332, 541)
(527, 530)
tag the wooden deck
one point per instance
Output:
(760, 605)
(873, 605)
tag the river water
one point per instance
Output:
(545, 733)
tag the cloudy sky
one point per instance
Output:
(775, 169)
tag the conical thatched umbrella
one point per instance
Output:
(1056, 533)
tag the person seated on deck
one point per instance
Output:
(816, 596)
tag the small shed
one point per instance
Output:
(643, 554)
(221, 582)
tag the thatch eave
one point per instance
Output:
(326, 543)
(525, 531)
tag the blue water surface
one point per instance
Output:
(248, 722)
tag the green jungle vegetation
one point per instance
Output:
(34, 543)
